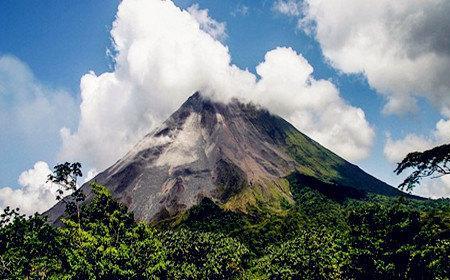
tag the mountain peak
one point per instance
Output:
(236, 154)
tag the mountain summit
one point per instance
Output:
(238, 155)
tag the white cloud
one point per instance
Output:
(162, 58)
(90, 175)
(28, 107)
(217, 30)
(313, 106)
(288, 7)
(402, 47)
(31, 115)
(164, 55)
(434, 188)
(35, 194)
(396, 150)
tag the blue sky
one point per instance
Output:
(60, 41)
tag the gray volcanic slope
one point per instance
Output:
(236, 154)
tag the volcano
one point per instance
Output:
(238, 155)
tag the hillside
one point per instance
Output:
(238, 155)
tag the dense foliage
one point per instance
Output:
(317, 238)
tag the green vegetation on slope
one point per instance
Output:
(311, 158)
(318, 237)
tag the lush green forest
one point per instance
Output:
(320, 237)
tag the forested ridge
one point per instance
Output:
(320, 237)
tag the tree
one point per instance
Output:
(65, 175)
(432, 163)
(9, 215)
(28, 246)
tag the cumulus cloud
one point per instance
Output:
(34, 195)
(31, 115)
(434, 188)
(217, 30)
(89, 175)
(288, 88)
(396, 150)
(402, 47)
(163, 55)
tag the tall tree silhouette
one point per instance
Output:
(65, 175)
(433, 163)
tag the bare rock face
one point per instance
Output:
(235, 154)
